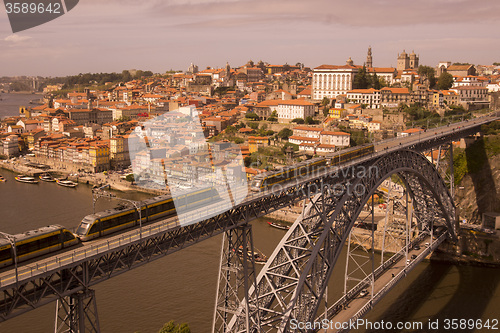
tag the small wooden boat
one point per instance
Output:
(259, 257)
(47, 178)
(65, 182)
(278, 226)
(2, 179)
(26, 179)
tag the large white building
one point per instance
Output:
(295, 108)
(331, 81)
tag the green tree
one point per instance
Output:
(230, 129)
(326, 110)
(273, 116)
(130, 177)
(310, 120)
(325, 101)
(445, 81)
(298, 120)
(253, 126)
(428, 72)
(288, 144)
(172, 327)
(251, 115)
(238, 141)
(126, 76)
(375, 84)
(285, 133)
(361, 80)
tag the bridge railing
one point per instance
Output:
(85, 252)
(397, 277)
(366, 281)
(80, 254)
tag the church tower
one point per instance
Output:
(413, 60)
(369, 59)
(403, 61)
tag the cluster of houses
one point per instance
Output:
(405, 85)
(91, 129)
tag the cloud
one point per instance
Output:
(375, 13)
(16, 38)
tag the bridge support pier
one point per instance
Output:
(77, 313)
(236, 275)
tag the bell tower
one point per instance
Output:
(369, 59)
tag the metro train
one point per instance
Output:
(35, 243)
(305, 168)
(112, 220)
(53, 238)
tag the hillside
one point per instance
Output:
(477, 177)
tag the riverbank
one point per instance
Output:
(114, 180)
(474, 248)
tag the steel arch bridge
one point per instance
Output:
(292, 284)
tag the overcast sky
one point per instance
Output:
(158, 35)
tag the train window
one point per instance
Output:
(5, 254)
(68, 236)
(27, 248)
(44, 242)
(95, 228)
(54, 240)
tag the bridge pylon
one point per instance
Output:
(236, 275)
(77, 313)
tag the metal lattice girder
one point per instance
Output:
(236, 274)
(77, 313)
(67, 273)
(292, 283)
(39, 286)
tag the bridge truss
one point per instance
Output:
(293, 283)
(303, 261)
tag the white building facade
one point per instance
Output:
(331, 81)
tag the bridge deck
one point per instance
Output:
(357, 306)
(113, 243)
(152, 239)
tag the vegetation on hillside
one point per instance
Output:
(472, 159)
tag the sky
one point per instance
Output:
(159, 35)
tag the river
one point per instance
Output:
(9, 103)
(181, 286)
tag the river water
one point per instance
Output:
(10, 103)
(181, 286)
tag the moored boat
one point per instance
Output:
(278, 226)
(26, 179)
(259, 257)
(2, 179)
(65, 182)
(47, 177)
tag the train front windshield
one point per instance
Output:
(84, 227)
(256, 183)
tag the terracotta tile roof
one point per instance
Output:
(335, 133)
(307, 128)
(303, 138)
(396, 90)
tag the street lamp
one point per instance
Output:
(98, 193)
(12, 240)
